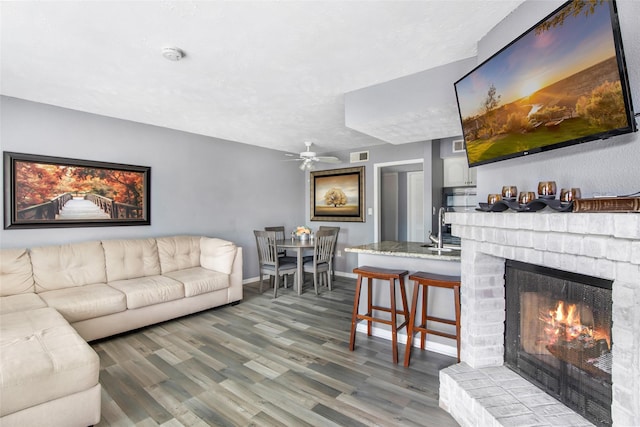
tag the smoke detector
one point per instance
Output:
(172, 53)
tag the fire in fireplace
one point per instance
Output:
(583, 343)
(558, 335)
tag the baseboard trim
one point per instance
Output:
(436, 347)
(250, 280)
(338, 273)
(346, 274)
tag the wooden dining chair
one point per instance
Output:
(333, 251)
(269, 261)
(281, 236)
(321, 262)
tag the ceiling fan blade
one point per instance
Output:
(328, 159)
(309, 158)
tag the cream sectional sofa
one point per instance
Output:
(54, 299)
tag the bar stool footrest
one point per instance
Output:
(421, 328)
(441, 320)
(388, 310)
(383, 321)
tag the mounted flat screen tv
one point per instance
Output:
(563, 82)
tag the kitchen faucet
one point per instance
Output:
(438, 240)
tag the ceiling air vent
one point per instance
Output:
(457, 146)
(359, 156)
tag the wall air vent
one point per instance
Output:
(359, 156)
(457, 146)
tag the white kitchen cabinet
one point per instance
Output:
(457, 173)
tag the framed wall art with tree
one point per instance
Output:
(338, 195)
(45, 191)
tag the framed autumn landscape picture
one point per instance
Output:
(338, 195)
(45, 191)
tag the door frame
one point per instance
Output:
(411, 206)
(377, 171)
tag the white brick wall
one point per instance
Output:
(595, 244)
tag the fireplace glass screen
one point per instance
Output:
(558, 335)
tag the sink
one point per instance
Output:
(446, 248)
(434, 249)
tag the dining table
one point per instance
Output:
(299, 246)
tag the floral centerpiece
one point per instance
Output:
(302, 232)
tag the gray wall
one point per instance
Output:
(446, 148)
(200, 185)
(596, 167)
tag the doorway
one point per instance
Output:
(399, 201)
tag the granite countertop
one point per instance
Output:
(405, 249)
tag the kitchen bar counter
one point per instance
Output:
(406, 250)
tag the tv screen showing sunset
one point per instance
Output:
(557, 83)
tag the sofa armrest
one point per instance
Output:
(210, 248)
(235, 279)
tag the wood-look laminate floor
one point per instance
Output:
(267, 362)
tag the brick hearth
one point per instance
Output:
(480, 390)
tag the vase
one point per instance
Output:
(303, 236)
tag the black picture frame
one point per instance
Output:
(38, 191)
(349, 195)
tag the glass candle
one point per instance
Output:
(492, 198)
(547, 189)
(569, 194)
(526, 197)
(576, 193)
(509, 192)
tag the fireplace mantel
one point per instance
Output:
(603, 245)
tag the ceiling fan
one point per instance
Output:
(309, 158)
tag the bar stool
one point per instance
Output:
(422, 279)
(370, 273)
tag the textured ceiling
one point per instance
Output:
(266, 73)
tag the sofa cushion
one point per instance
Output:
(145, 291)
(178, 252)
(129, 259)
(42, 358)
(217, 254)
(66, 266)
(20, 302)
(198, 280)
(16, 276)
(85, 302)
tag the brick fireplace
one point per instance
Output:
(481, 390)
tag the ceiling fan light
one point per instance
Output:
(307, 165)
